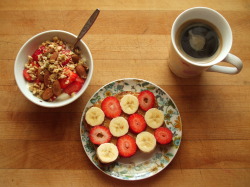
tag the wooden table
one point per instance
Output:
(42, 147)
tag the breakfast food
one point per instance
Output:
(118, 126)
(107, 152)
(146, 142)
(163, 135)
(111, 107)
(154, 118)
(126, 146)
(54, 70)
(137, 123)
(99, 135)
(130, 121)
(129, 104)
(146, 100)
(94, 116)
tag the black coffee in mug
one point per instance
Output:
(199, 40)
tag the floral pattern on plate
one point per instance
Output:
(140, 165)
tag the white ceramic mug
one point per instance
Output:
(183, 66)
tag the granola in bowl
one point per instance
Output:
(55, 71)
(33, 44)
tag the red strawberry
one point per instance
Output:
(27, 75)
(111, 107)
(137, 123)
(163, 135)
(36, 53)
(73, 88)
(71, 77)
(66, 62)
(80, 80)
(126, 146)
(146, 100)
(99, 135)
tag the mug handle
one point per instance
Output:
(231, 59)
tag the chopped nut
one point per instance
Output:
(55, 38)
(47, 94)
(30, 58)
(46, 78)
(54, 56)
(75, 58)
(77, 51)
(80, 70)
(59, 48)
(56, 88)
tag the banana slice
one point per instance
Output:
(107, 152)
(94, 116)
(146, 142)
(129, 104)
(118, 126)
(154, 118)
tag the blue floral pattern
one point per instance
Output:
(139, 166)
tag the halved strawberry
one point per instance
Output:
(27, 75)
(137, 123)
(66, 62)
(36, 53)
(146, 100)
(126, 146)
(73, 88)
(99, 135)
(163, 135)
(111, 107)
(80, 80)
(71, 77)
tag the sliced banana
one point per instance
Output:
(146, 142)
(118, 126)
(107, 152)
(154, 118)
(94, 116)
(129, 104)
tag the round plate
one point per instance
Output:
(140, 165)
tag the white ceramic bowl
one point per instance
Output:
(29, 48)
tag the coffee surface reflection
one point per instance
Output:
(198, 39)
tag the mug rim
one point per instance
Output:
(220, 57)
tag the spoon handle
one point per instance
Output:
(87, 26)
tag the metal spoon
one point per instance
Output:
(87, 26)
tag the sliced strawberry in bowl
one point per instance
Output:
(27, 75)
(37, 53)
(146, 100)
(64, 63)
(163, 135)
(99, 135)
(126, 146)
(74, 87)
(111, 107)
(137, 123)
(71, 77)
(80, 80)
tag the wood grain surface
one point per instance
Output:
(42, 147)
